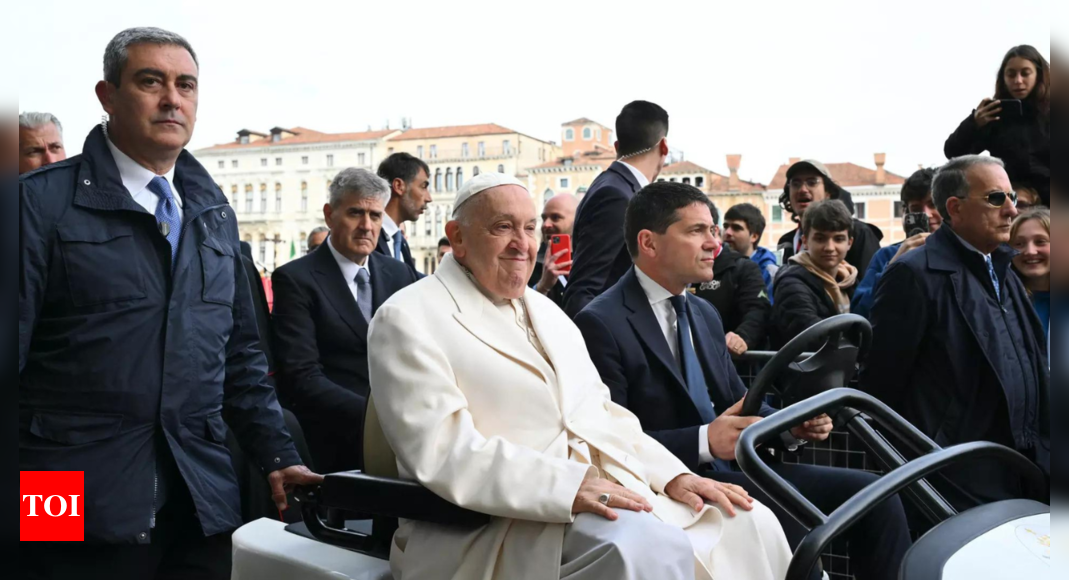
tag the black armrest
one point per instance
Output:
(391, 498)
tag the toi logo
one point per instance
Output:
(52, 504)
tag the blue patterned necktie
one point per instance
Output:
(994, 277)
(692, 370)
(363, 293)
(398, 239)
(167, 217)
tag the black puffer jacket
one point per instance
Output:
(1022, 143)
(800, 302)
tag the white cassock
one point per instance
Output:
(507, 422)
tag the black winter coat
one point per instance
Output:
(800, 302)
(739, 294)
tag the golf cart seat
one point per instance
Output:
(1004, 540)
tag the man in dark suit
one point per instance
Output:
(599, 251)
(738, 293)
(410, 194)
(957, 348)
(324, 303)
(663, 356)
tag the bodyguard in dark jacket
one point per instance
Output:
(957, 348)
(739, 294)
(137, 339)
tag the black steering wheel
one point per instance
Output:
(846, 340)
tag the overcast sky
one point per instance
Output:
(836, 81)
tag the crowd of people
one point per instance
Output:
(586, 398)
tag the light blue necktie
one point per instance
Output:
(363, 293)
(994, 278)
(398, 239)
(692, 369)
(167, 217)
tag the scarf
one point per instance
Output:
(844, 278)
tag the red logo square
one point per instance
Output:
(53, 505)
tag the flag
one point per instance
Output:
(293, 249)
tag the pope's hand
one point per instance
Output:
(695, 491)
(590, 493)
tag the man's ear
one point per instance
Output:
(850, 243)
(105, 94)
(647, 244)
(397, 187)
(616, 146)
(664, 147)
(328, 215)
(456, 237)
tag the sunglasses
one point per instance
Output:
(999, 198)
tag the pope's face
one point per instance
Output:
(498, 240)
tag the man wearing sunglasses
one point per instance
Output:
(957, 348)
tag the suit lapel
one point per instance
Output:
(384, 244)
(379, 290)
(644, 323)
(624, 172)
(329, 277)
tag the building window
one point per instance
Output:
(304, 243)
(482, 149)
(686, 180)
(276, 242)
(304, 196)
(777, 214)
(235, 200)
(419, 151)
(263, 249)
(263, 198)
(500, 168)
(304, 160)
(449, 180)
(278, 198)
(389, 151)
(598, 135)
(672, 179)
(438, 227)
(475, 171)
(361, 159)
(222, 165)
(565, 183)
(465, 151)
(244, 140)
(699, 182)
(460, 178)
(234, 164)
(248, 199)
(434, 152)
(587, 134)
(278, 162)
(506, 148)
(438, 180)
(330, 161)
(569, 134)
(427, 224)
(900, 210)
(263, 162)
(861, 210)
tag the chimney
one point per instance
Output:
(794, 160)
(881, 173)
(734, 162)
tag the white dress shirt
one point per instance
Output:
(349, 269)
(643, 181)
(390, 229)
(136, 178)
(665, 313)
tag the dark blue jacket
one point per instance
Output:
(865, 294)
(600, 256)
(633, 358)
(120, 361)
(961, 364)
(766, 259)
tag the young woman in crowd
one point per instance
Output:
(1014, 125)
(1031, 237)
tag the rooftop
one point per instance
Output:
(300, 136)
(456, 131)
(845, 174)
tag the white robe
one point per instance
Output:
(479, 417)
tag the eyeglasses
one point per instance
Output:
(998, 198)
(811, 182)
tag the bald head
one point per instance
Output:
(494, 236)
(558, 217)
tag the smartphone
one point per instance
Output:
(1011, 109)
(559, 243)
(916, 223)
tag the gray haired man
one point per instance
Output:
(40, 141)
(317, 238)
(324, 303)
(138, 349)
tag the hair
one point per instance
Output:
(1040, 96)
(656, 208)
(1039, 214)
(402, 166)
(748, 213)
(117, 52)
(444, 243)
(314, 233)
(640, 126)
(1024, 189)
(829, 215)
(359, 182)
(918, 187)
(952, 180)
(833, 189)
(36, 120)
